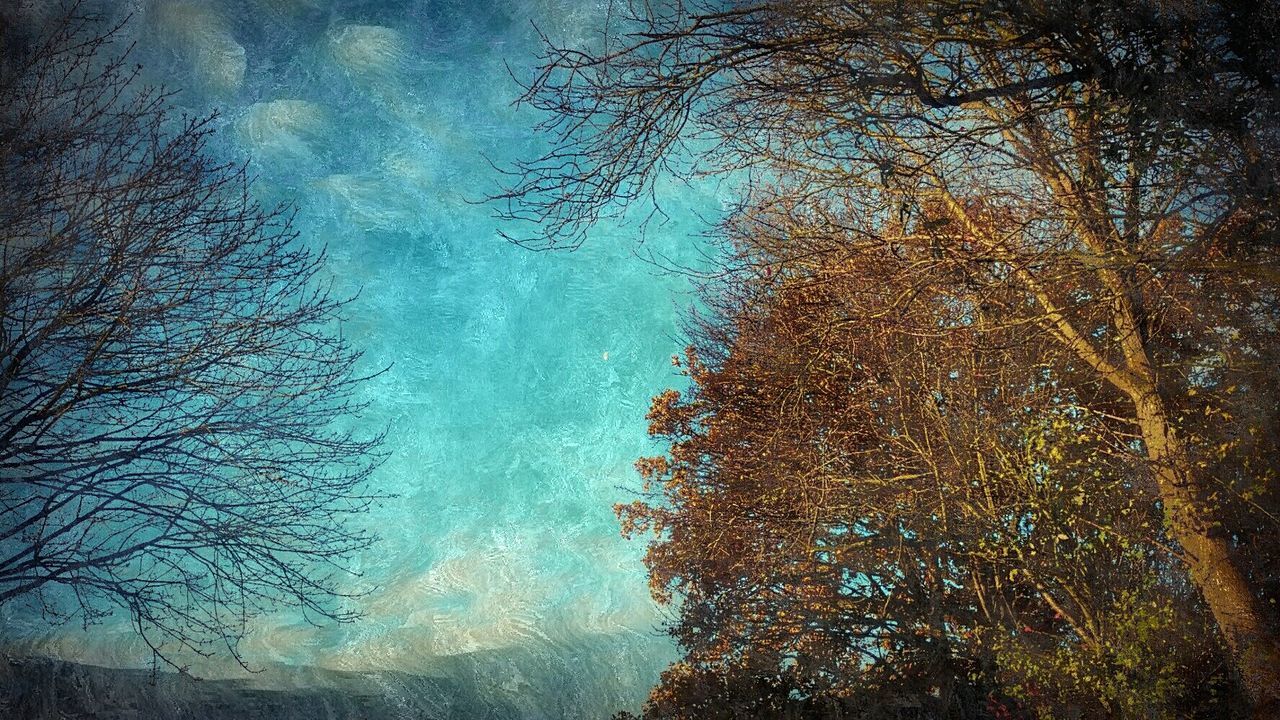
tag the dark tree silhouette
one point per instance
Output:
(172, 388)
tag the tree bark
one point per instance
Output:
(1239, 613)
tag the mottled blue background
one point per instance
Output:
(519, 380)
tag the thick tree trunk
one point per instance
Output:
(1242, 618)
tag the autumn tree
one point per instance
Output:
(883, 520)
(794, 571)
(1089, 182)
(173, 389)
(872, 533)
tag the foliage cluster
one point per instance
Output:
(982, 422)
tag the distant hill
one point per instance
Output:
(518, 682)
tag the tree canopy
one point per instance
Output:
(991, 391)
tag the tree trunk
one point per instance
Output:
(1240, 615)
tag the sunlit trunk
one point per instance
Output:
(1240, 614)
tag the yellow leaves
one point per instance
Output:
(652, 468)
(667, 416)
(635, 518)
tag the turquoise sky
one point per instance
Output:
(519, 380)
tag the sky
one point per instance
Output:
(518, 380)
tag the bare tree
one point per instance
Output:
(174, 396)
(1093, 180)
